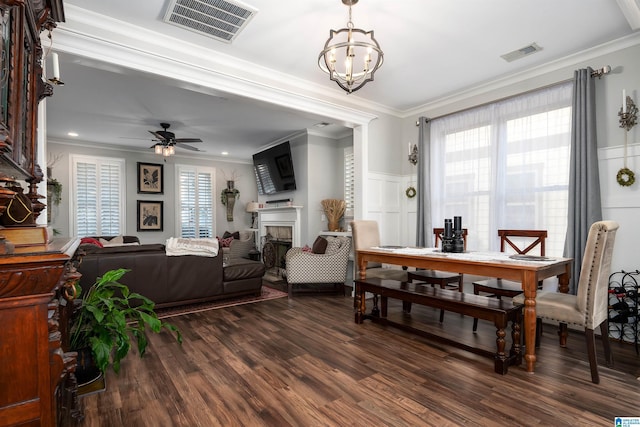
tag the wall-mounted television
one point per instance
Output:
(273, 168)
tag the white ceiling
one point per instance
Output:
(433, 49)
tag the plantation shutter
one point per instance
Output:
(349, 182)
(98, 202)
(195, 189)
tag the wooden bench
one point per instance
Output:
(495, 310)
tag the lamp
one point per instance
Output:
(358, 48)
(166, 149)
(252, 208)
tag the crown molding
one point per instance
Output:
(101, 38)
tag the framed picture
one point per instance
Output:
(150, 179)
(150, 215)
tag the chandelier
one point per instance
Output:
(350, 56)
(166, 149)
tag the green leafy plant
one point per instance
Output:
(110, 316)
(56, 190)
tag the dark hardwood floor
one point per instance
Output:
(304, 362)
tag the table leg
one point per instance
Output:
(530, 287)
(361, 304)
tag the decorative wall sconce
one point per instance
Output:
(628, 118)
(628, 112)
(413, 154)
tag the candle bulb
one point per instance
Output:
(624, 101)
(56, 66)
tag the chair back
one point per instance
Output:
(592, 297)
(518, 239)
(365, 234)
(437, 232)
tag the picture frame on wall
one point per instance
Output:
(150, 178)
(150, 215)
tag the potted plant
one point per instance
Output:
(109, 316)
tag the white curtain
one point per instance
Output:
(504, 165)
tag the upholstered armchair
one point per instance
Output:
(308, 268)
(240, 248)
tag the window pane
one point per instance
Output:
(505, 165)
(196, 201)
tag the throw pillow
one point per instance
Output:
(90, 241)
(115, 241)
(235, 235)
(225, 242)
(306, 248)
(320, 245)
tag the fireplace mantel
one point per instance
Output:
(281, 216)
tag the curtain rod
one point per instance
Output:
(594, 73)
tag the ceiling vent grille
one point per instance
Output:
(220, 19)
(521, 53)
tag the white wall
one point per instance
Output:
(621, 204)
(242, 172)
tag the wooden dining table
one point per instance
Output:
(527, 271)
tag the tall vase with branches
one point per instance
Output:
(334, 210)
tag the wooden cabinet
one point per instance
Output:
(36, 382)
(22, 87)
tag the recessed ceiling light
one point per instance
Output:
(225, 153)
(321, 124)
(72, 133)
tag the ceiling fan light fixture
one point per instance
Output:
(361, 52)
(158, 148)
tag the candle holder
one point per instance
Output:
(629, 118)
(413, 155)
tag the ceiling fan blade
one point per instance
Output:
(181, 140)
(188, 147)
(157, 135)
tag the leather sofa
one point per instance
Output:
(170, 280)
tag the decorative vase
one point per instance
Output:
(333, 225)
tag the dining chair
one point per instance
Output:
(444, 279)
(589, 307)
(366, 234)
(522, 242)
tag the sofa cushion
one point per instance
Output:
(320, 245)
(240, 268)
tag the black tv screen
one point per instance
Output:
(273, 168)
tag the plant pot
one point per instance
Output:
(90, 378)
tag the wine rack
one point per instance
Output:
(623, 306)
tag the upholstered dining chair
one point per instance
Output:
(589, 308)
(366, 234)
(443, 279)
(522, 242)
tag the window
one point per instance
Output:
(98, 202)
(195, 201)
(505, 165)
(349, 182)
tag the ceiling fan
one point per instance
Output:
(167, 140)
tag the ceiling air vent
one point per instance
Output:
(521, 53)
(220, 19)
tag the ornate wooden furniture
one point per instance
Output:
(22, 87)
(38, 385)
